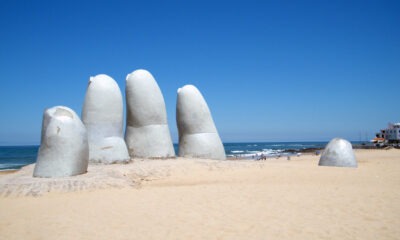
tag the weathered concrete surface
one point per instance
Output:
(198, 136)
(102, 115)
(64, 149)
(147, 134)
(338, 153)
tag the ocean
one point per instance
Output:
(248, 150)
(15, 157)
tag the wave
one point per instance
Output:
(272, 150)
(5, 166)
(256, 154)
(250, 151)
(237, 151)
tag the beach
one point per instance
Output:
(207, 199)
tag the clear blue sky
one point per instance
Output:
(269, 70)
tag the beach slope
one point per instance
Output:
(208, 199)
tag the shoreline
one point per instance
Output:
(284, 154)
(138, 171)
(8, 171)
(305, 151)
(233, 151)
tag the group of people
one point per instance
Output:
(262, 156)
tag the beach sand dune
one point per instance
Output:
(208, 199)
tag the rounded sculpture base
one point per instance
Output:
(109, 150)
(152, 141)
(201, 145)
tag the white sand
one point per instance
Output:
(207, 199)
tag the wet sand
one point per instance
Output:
(5, 172)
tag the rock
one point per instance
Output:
(198, 136)
(64, 149)
(147, 133)
(338, 153)
(102, 115)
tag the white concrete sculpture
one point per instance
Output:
(338, 153)
(102, 115)
(198, 136)
(147, 134)
(64, 149)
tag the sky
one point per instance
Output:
(269, 70)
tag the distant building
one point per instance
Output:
(389, 135)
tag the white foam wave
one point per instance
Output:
(237, 151)
(9, 164)
(6, 166)
(252, 151)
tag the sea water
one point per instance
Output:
(268, 149)
(15, 157)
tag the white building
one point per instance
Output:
(392, 133)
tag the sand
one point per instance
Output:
(206, 199)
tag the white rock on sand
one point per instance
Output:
(338, 153)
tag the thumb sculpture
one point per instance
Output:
(64, 147)
(198, 136)
(338, 153)
(147, 134)
(102, 115)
